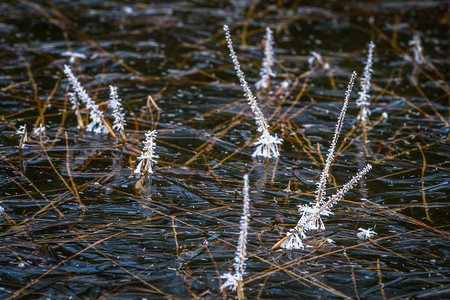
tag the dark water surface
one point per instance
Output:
(77, 223)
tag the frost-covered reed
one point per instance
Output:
(364, 96)
(148, 156)
(116, 106)
(235, 281)
(266, 70)
(320, 192)
(98, 123)
(267, 144)
(311, 215)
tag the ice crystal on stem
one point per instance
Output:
(266, 70)
(73, 56)
(320, 192)
(311, 216)
(365, 234)
(76, 106)
(116, 106)
(316, 59)
(234, 281)
(417, 49)
(364, 96)
(148, 156)
(22, 131)
(266, 143)
(98, 123)
(40, 130)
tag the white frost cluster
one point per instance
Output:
(417, 49)
(364, 95)
(73, 56)
(73, 99)
(365, 234)
(267, 146)
(266, 143)
(22, 131)
(96, 125)
(39, 130)
(240, 258)
(311, 215)
(148, 156)
(266, 70)
(311, 218)
(316, 57)
(116, 106)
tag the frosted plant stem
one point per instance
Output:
(266, 144)
(311, 215)
(364, 95)
(236, 281)
(116, 105)
(22, 131)
(417, 49)
(99, 124)
(325, 206)
(320, 192)
(76, 105)
(148, 156)
(260, 120)
(340, 194)
(266, 69)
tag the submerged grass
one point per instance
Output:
(75, 220)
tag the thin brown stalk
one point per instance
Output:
(175, 236)
(424, 198)
(380, 281)
(69, 173)
(353, 275)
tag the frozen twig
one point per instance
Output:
(98, 123)
(76, 106)
(417, 49)
(116, 106)
(22, 131)
(266, 70)
(267, 145)
(320, 192)
(311, 217)
(234, 281)
(40, 130)
(364, 96)
(311, 214)
(148, 156)
(316, 57)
